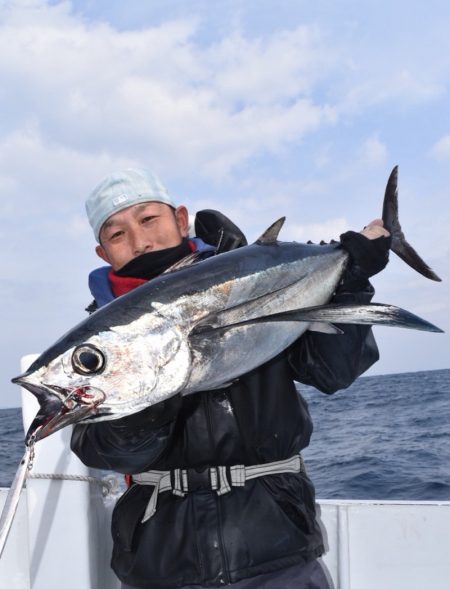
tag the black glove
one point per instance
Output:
(217, 229)
(367, 258)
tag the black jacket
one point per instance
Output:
(267, 524)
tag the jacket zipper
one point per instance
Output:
(225, 576)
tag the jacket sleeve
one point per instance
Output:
(333, 362)
(131, 444)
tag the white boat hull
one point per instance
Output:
(370, 545)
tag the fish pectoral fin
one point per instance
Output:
(325, 328)
(340, 313)
(353, 314)
(203, 329)
(258, 308)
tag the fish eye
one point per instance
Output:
(87, 359)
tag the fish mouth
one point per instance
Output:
(59, 406)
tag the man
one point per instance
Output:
(201, 533)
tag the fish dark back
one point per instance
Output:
(167, 288)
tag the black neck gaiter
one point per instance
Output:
(149, 265)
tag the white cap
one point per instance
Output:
(121, 190)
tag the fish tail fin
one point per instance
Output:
(391, 222)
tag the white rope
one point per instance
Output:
(109, 484)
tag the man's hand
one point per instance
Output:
(369, 254)
(375, 229)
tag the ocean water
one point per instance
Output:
(385, 437)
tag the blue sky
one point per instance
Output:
(258, 108)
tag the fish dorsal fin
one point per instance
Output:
(270, 235)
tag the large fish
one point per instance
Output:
(202, 325)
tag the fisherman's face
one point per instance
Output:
(139, 229)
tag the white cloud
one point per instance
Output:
(374, 151)
(153, 91)
(264, 71)
(44, 177)
(316, 232)
(441, 149)
(389, 84)
(78, 227)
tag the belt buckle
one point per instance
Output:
(198, 479)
